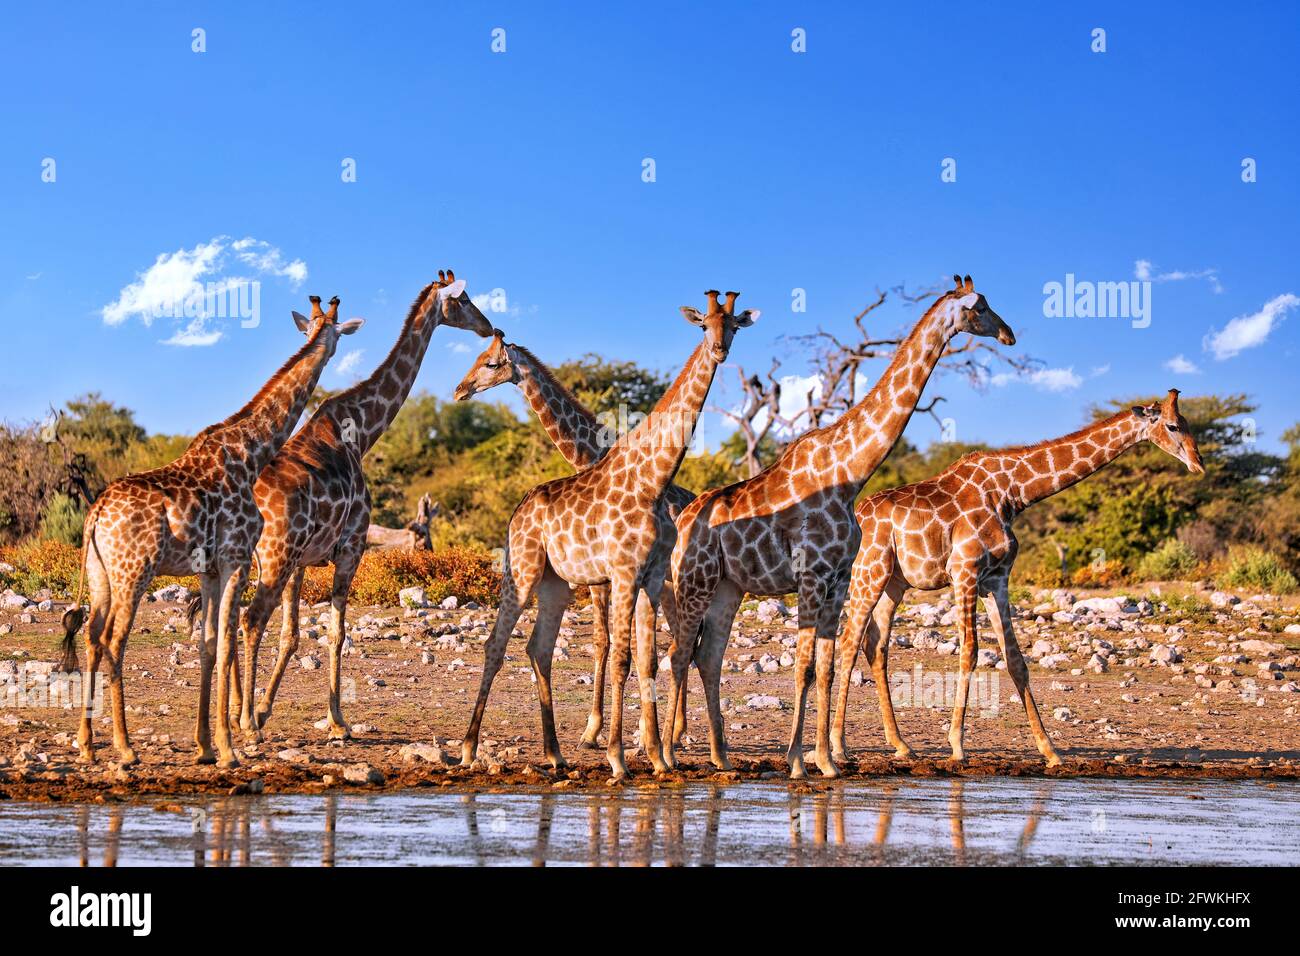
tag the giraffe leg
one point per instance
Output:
(998, 606)
(269, 587)
(290, 599)
(600, 641)
(866, 582)
(685, 628)
(708, 660)
(825, 666)
(346, 562)
(100, 609)
(553, 596)
(647, 665)
(231, 587)
(622, 608)
(209, 587)
(811, 592)
(119, 629)
(523, 569)
(668, 604)
(964, 586)
(882, 624)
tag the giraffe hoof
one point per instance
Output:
(592, 744)
(85, 755)
(902, 753)
(340, 733)
(617, 780)
(828, 768)
(228, 762)
(1053, 760)
(127, 759)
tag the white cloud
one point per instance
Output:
(181, 285)
(348, 363)
(196, 333)
(1180, 365)
(1043, 379)
(459, 347)
(1247, 331)
(1144, 271)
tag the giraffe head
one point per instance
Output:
(326, 323)
(425, 512)
(1168, 430)
(720, 322)
(971, 313)
(455, 308)
(494, 367)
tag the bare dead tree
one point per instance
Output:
(760, 397)
(836, 362)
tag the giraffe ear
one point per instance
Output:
(1141, 411)
(350, 326)
(693, 315)
(747, 318)
(302, 322)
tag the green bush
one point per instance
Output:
(1172, 561)
(1251, 567)
(63, 519)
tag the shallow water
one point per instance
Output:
(982, 822)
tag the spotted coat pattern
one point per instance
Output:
(955, 529)
(791, 528)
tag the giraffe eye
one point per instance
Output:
(1171, 426)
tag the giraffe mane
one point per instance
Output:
(548, 376)
(354, 391)
(1022, 450)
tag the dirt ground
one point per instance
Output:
(1222, 703)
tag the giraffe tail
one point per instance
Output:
(75, 616)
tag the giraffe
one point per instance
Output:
(315, 505)
(195, 515)
(577, 435)
(600, 527)
(791, 528)
(955, 529)
(414, 537)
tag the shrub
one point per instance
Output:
(1100, 574)
(62, 520)
(1255, 568)
(468, 573)
(1172, 561)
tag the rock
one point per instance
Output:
(1053, 661)
(855, 678)
(12, 600)
(1292, 629)
(428, 753)
(172, 592)
(1166, 654)
(1063, 617)
(987, 657)
(1105, 606)
(787, 660)
(361, 774)
(1097, 664)
(294, 755)
(763, 702)
(1224, 599)
(768, 664)
(770, 610)
(946, 648)
(309, 662)
(413, 597)
(1062, 714)
(449, 603)
(1262, 648)
(1042, 648)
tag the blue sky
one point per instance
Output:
(775, 170)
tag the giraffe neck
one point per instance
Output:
(651, 453)
(372, 404)
(570, 425)
(865, 433)
(256, 432)
(1042, 470)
